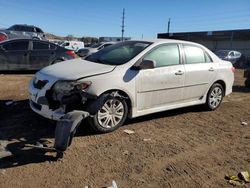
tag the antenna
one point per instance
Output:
(123, 18)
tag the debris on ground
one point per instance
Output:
(240, 180)
(146, 139)
(114, 185)
(244, 123)
(3, 172)
(129, 131)
(8, 103)
(126, 152)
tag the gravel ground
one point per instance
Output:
(187, 147)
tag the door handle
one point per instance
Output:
(179, 72)
(211, 69)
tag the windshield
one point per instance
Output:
(119, 53)
(222, 53)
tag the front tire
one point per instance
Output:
(214, 97)
(111, 114)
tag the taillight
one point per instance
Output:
(3, 37)
(233, 69)
(70, 53)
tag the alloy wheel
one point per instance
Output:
(111, 113)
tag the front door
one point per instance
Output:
(163, 84)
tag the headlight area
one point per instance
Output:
(68, 94)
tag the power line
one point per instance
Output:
(123, 18)
(169, 20)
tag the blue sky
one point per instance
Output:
(103, 17)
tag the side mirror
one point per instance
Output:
(147, 64)
(144, 64)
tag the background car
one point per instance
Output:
(235, 57)
(22, 31)
(30, 54)
(72, 45)
(93, 49)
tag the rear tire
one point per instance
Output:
(111, 114)
(214, 97)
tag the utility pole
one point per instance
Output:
(123, 18)
(169, 20)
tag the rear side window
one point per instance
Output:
(165, 55)
(29, 29)
(15, 46)
(21, 28)
(194, 54)
(40, 46)
(38, 30)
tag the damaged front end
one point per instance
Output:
(53, 98)
(69, 95)
(64, 101)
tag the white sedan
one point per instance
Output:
(131, 79)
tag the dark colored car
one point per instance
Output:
(236, 58)
(30, 54)
(22, 31)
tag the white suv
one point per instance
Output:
(131, 79)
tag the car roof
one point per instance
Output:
(163, 41)
(25, 25)
(15, 40)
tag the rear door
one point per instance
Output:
(41, 55)
(17, 55)
(200, 71)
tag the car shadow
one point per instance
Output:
(20, 127)
(21, 72)
(168, 113)
(240, 88)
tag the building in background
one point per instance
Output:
(113, 39)
(238, 40)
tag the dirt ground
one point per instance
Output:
(187, 147)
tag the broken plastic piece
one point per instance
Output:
(66, 128)
(129, 131)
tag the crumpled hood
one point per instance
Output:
(76, 69)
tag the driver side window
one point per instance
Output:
(165, 55)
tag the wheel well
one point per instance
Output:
(123, 94)
(222, 83)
